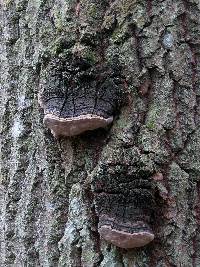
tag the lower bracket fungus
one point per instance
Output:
(124, 200)
(126, 235)
(124, 239)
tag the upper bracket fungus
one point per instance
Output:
(76, 97)
(75, 125)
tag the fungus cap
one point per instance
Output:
(75, 125)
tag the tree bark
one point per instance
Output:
(51, 188)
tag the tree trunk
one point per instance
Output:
(54, 190)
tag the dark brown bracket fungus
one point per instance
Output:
(124, 202)
(125, 233)
(77, 98)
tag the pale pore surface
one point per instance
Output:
(124, 239)
(75, 125)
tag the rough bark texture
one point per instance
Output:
(55, 192)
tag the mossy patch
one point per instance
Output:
(120, 34)
(90, 56)
(92, 11)
(152, 119)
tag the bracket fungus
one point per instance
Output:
(125, 233)
(75, 125)
(140, 235)
(77, 98)
(124, 201)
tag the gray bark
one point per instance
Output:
(48, 196)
